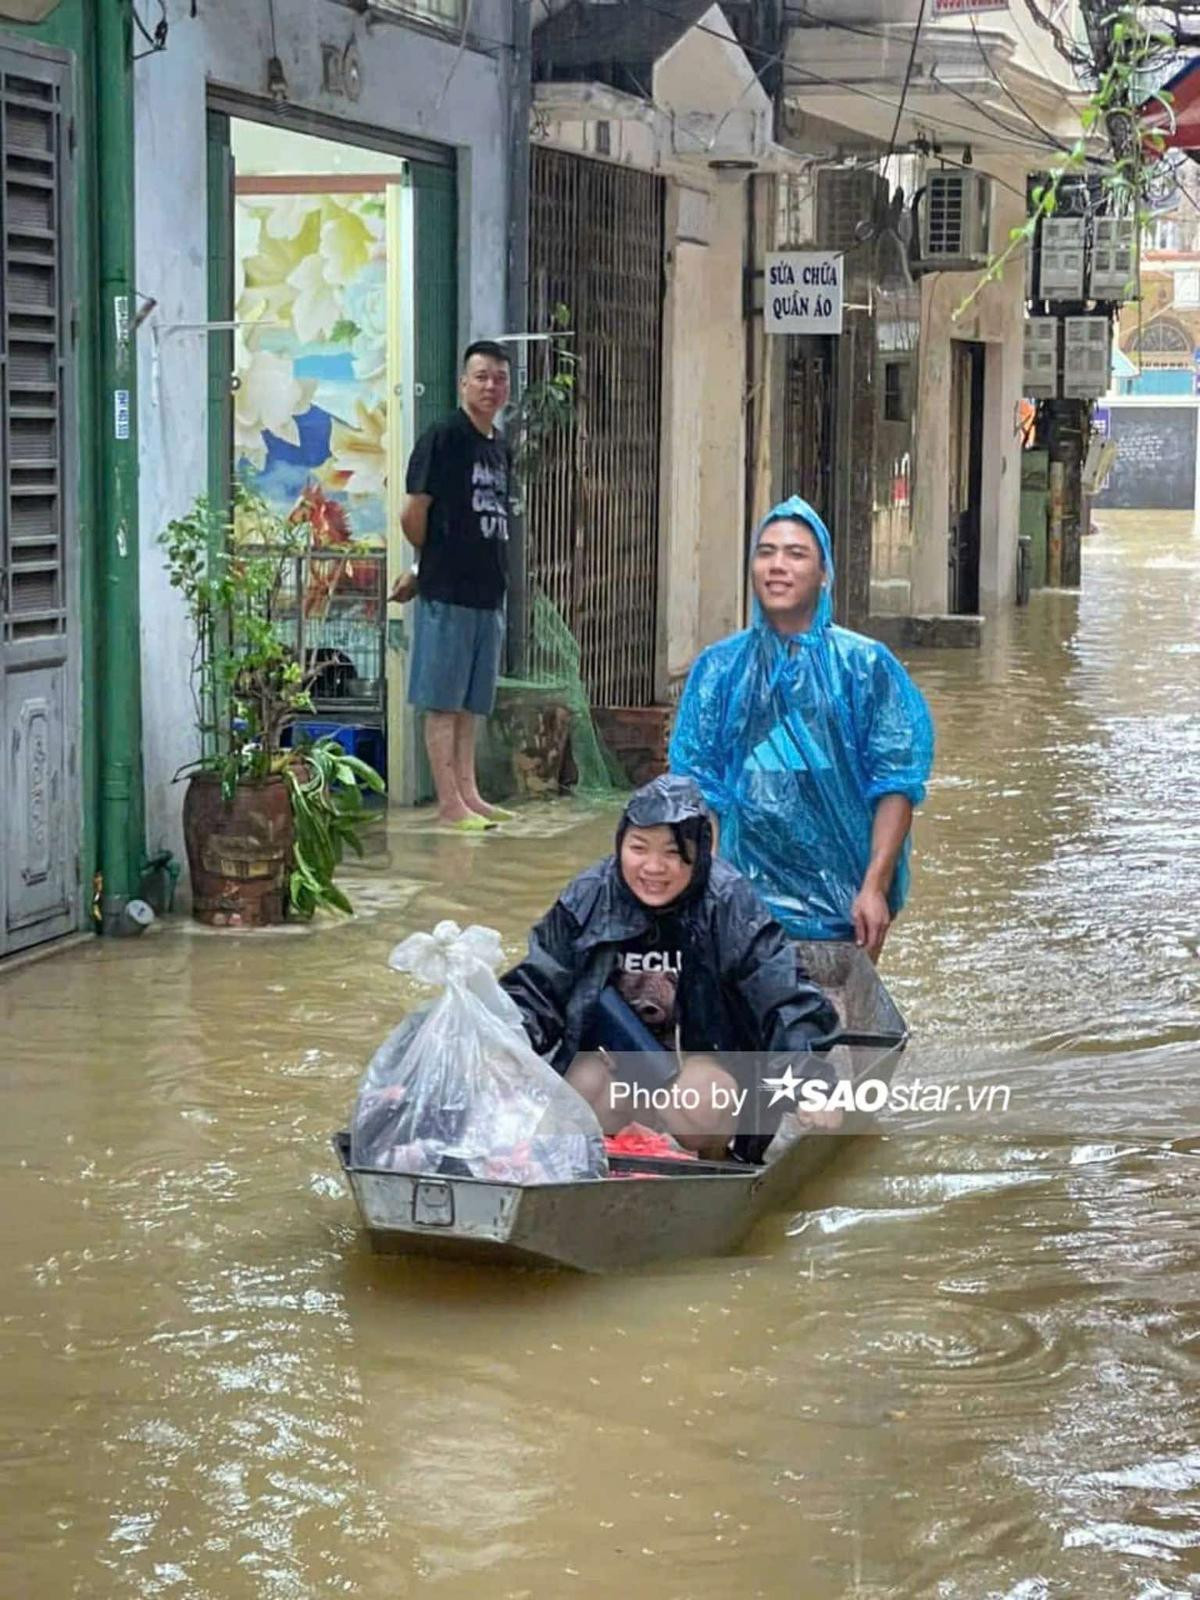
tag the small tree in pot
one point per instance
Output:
(266, 826)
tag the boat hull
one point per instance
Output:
(650, 1210)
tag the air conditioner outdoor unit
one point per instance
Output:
(955, 214)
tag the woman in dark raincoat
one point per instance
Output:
(688, 963)
(810, 743)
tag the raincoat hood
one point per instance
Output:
(677, 803)
(798, 510)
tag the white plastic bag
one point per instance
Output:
(457, 1088)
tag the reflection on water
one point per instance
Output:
(967, 1367)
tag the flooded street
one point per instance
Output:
(966, 1368)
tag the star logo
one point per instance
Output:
(784, 1087)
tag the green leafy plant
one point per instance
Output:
(327, 806)
(546, 403)
(1127, 46)
(249, 686)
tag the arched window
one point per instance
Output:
(1163, 335)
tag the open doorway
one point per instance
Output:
(324, 368)
(319, 305)
(966, 474)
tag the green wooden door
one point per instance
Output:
(435, 380)
(435, 256)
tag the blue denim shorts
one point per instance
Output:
(455, 657)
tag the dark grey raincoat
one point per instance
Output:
(742, 987)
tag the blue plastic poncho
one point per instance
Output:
(793, 741)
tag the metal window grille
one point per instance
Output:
(593, 515)
(808, 424)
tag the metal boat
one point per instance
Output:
(693, 1208)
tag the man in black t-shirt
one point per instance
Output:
(456, 514)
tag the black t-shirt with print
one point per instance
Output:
(649, 974)
(464, 559)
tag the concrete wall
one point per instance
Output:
(995, 318)
(705, 350)
(723, 392)
(415, 83)
(704, 361)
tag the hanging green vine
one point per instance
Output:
(1130, 48)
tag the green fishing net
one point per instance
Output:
(541, 738)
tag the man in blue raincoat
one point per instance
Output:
(810, 743)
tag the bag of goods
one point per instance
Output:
(457, 1090)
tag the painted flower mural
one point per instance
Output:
(311, 402)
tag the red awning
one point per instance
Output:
(1180, 127)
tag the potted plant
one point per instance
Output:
(266, 826)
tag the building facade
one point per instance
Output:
(655, 123)
(921, 123)
(323, 221)
(70, 791)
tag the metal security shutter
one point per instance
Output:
(596, 247)
(39, 715)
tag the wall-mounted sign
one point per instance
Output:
(959, 8)
(802, 292)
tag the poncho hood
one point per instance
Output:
(798, 510)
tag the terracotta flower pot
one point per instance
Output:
(240, 852)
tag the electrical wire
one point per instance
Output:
(1007, 92)
(882, 34)
(819, 79)
(458, 55)
(988, 116)
(908, 72)
(816, 78)
(1001, 183)
(1073, 57)
(157, 41)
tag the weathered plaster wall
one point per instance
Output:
(722, 480)
(414, 83)
(996, 318)
(682, 445)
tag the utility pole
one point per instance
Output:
(1063, 426)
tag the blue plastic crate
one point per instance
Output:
(365, 743)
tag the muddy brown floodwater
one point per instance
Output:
(964, 1367)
